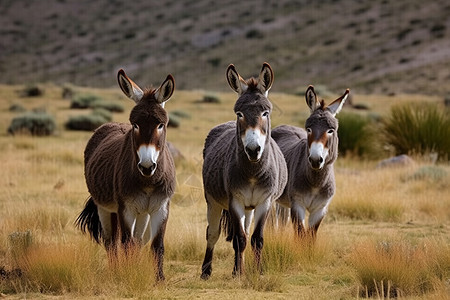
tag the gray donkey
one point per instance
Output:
(310, 155)
(244, 171)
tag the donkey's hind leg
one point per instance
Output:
(212, 235)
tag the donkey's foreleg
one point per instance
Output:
(315, 218)
(127, 221)
(298, 218)
(212, 235)
(141, 229)
(237, 213)
(257, 240)
(109, 224)
(158, 222)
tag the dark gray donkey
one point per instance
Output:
(244, 171)
(310, 155)
(130, 175)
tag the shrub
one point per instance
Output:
(211, 98)
(418, 128)
(34, 123)
(110, 106)
(174, 121)
(89, 122)
(32, 91)
(356, 135)
(84, 101)
(17, 108)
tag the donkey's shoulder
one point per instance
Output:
(220, 132)
(288, 132)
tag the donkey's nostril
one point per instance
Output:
(147, 171)
(321, 159)
(253, 153)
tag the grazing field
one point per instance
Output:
(387, 233)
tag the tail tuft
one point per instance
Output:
(225, 223)
(88, 220)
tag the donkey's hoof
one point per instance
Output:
(205, 275)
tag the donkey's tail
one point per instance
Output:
(225, 222)
(88, 220)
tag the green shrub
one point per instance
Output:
(211, 98)
(17, 108)
(84, 101)
(180, 114)
(174, 121)
(356, 135)
(32, 91)
(110, 106)
(34, 123)
(89, 122)
(418, 128)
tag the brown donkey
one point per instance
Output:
(130, 175)
(310, 155)
(244, 171)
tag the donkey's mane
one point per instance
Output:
(149, 94)
(252, 84)
(322, 104)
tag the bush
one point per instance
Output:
(17, 108)
(32, 91)
(89, 122)
(110, 106)
(93, 101)
(174, 121)
(211, 98)
(84, 101)
(356, 135)
(34, 123)
(418, 128)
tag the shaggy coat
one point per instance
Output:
(310, 155)
(243, 171)
(130, 175)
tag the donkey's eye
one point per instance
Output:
(265, 114)
(135, 126)
(330, 131)
(160, 126)
(239, 114)
(308, 130)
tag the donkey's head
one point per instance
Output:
(253, 109)
(322, 128)
(149, 120)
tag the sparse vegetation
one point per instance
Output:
(378, 218)
(418, 128)
(34, 123)
(89, 122)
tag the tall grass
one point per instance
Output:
(418, 128)
(393, 268)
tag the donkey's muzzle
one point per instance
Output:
(253, 153)
(147, 171)
(316, 163)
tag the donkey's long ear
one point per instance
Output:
(129, 88)
(265, 78)
(236, 82)
(165, 91)
(311, 99)
(336, 106)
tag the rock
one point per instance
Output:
(396, 161)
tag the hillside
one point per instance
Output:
(370, 46)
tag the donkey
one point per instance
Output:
(310, 155)
(130, 175)
(244, 171)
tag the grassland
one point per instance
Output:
(387, 232)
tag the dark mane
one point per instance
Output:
(252, 84)
(322, 104)
(149, 94)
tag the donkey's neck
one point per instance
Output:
(317, 178)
